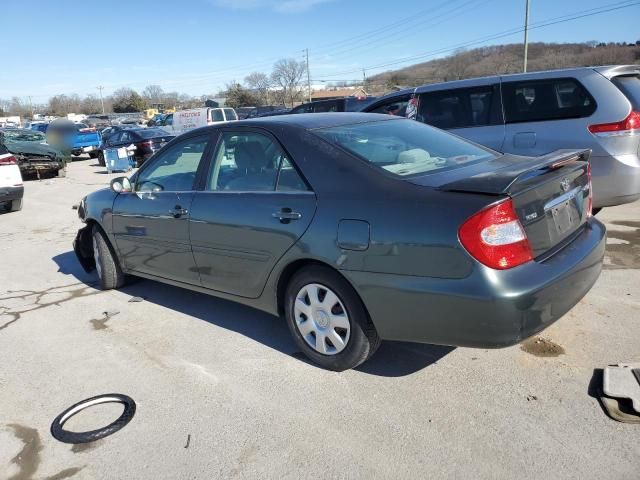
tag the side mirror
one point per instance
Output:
(121, 185)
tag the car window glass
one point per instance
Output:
(230, 114)
(216, 115)
(304, 108)
(397, 107)
(173, 169)
(459, 108)
(288, 178)
(323, 107)
(168, 120)
(245, 161)
(629, 85)
(551, 99)
(126, 137)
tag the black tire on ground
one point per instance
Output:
(110, 274)
(363, 339)
(101, 158)
(595, 211)
(16, 205)
(93, 154)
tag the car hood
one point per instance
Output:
(32, 148)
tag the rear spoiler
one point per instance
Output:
(511, 178)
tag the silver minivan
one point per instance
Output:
(539, 112)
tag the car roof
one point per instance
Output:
(317, 120)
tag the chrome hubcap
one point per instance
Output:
(96, 258)
(321, 319)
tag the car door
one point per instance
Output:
(541, 115)
(474, 113)
(151, 224)
(254, 207)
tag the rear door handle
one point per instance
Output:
(286, 215)
(178, 211)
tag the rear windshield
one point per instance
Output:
(405, 147)
(630, 86)
(151, 133)
(230, 114)
(24, 135)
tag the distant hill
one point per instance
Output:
(501, 59)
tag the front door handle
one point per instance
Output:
(178, 211)
(285, 215)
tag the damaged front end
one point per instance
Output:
(35, 164)
(83, 243)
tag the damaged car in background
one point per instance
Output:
(33, 154)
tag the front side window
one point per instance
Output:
(230, 114)
(216, 115)
(173, 169)
(396, 107)
(248, 162)
(540, 100)
(404, 147)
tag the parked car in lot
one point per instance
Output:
(11, 188)
(539, 112)
(146, 140)
(347, 104)
(75, 138)
(185, 120)
(243, 112)
(267, 110)
(356, 228)
(31, 151)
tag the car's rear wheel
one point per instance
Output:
(93, 154)
(16, 205)
(110, 274)
(327, 319)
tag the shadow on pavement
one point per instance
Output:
(393, 359)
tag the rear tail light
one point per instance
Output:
(623, 127)
(590, 198)
(10, 160)
(146, 146)
(495, 237)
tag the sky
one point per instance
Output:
(50, 47)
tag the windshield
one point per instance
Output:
(24, 136)
(405, 147)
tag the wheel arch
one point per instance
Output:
(292, 268)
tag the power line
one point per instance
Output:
(541, 24)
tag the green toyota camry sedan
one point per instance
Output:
(355, 228)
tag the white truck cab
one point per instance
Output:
(185, 120)
(11, 188)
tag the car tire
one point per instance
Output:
(110, 274)
(16, 205)
(101, 158)
(93, 154)
(335, 310)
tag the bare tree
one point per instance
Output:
(153, 93)
(286, 75)
(260, 83)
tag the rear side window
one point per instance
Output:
(460, 108)
(540, 100)
(630, 86)
(326, 107)
(230, 114)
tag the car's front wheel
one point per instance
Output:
(110, 274)
(327, 319)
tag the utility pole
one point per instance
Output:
(364, 79)
(306, 50)
(101, 100)
(526, 35)
(30, 107)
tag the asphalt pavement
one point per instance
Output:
(222, 391)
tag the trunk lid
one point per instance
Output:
(550, 193)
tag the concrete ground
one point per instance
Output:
(222, 392)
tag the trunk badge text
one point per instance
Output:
(565, 184)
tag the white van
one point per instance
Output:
(185, 120)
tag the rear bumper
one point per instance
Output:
(33, 166)
(616, 179)
(489, 308)
(8, 194)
